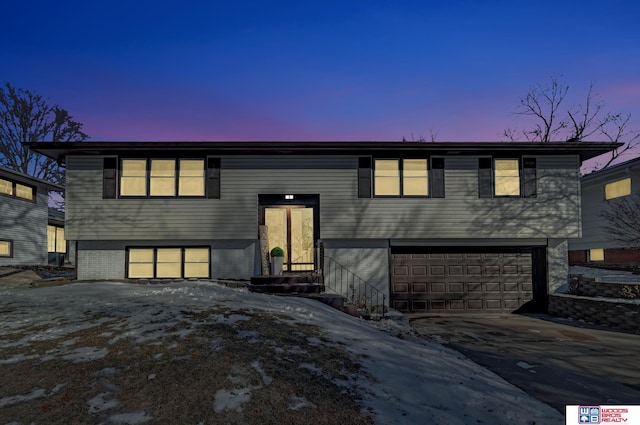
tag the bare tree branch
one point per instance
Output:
(552, 122)
(623, 220)
(28, 117)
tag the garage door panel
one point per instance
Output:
(494, 304)
(492, 287)
(435, 288)
(419, 288)
(461, 281)
(437, 270)
(456, 287)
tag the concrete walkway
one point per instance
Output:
(553, 360)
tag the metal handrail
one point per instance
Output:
(356, 290)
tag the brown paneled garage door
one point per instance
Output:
(461, 281)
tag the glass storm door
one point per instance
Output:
(291, 228)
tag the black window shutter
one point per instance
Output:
(213, 178)
(437, 177)
(364, 177)
(485, 189)
(529, 178)
(109, 178)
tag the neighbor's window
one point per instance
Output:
(415, 177)
(507, 177)
(617, 189)
(5, 249)
(24, 192)
(17, 190)
(6, 187)
(191, 182)
(168, 262)
(162, 179)
(596, 254)
(55, 239)
(387, 177)
(133, 180)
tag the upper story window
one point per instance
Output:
(407, 177)
(507, 177)
(506, 174)
(133, 178)
(162, 177)
(17, 190)
(191, 181)
(387, 177)
(617, 189)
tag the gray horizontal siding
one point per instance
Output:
(554, 213)
(594, 234)
(26, 223)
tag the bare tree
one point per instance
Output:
(554, 121)
(623, 220)
(28, 117)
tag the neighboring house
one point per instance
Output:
(599, 189)
(435, 226)
(25, 229)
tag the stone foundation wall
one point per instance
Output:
(616, 315)
(593, 287)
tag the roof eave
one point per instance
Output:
(586, 150)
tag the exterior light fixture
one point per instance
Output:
(288, 197)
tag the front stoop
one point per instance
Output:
(287, 284)
(303, 285)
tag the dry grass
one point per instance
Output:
(184, 380)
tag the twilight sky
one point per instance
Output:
(316, 70)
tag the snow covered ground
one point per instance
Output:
(406, 379)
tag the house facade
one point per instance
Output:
(25, 223)
(599, 190)
(434, 226)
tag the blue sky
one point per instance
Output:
(296, 70)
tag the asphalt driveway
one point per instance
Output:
(555, 360)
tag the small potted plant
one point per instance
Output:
(277, 258)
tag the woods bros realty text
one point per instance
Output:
(602, 415)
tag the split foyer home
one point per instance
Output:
(29, 233)
(457, 227)
(600, 190)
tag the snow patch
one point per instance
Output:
(86, 354)
(298, 403)
(231, 400)
(133, 418)
(101, 402)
